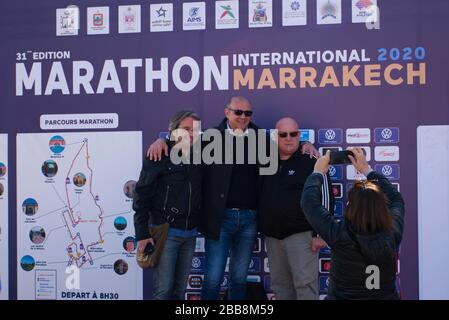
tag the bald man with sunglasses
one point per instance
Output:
(292, 244)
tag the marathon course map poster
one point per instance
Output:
(75, 209)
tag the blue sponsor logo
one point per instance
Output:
(253, 278)
(225, 284)
(391, 171)
(336, 172)
(304, 135)
(254, 265)
(324, 284)
(194, 15)
(267, 283)
(163, 135)
(197, 265)
(330, 136)
(386, 135)
(338, 209)
(325, 250)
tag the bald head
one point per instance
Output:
(288, 137)
(287, 124)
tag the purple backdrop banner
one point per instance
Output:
(350, 84)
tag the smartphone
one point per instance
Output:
(149, 249)
(340, 157)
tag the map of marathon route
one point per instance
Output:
(74, 209)
(78, 252)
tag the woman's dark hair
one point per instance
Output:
(367, 210)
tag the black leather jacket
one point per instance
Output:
(167, 192)
(352, 253)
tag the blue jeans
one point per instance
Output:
(172, 272)
(237, 236)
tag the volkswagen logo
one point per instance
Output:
(387, 170)
(386, 133)
(330, 134)
(196, 262)
(225, 282)
(332, 171)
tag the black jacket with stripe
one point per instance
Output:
(279, 207)
(355, 256)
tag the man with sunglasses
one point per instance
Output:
(229, 209)
(228, 215)
(292, 245)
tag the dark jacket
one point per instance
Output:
(352, 253)
(167, 192)
(280, 213)
(216, 182)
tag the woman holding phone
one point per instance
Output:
(366, 241)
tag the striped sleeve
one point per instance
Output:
(325, 199)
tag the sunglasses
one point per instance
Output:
(293, 134)
(237, 112)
